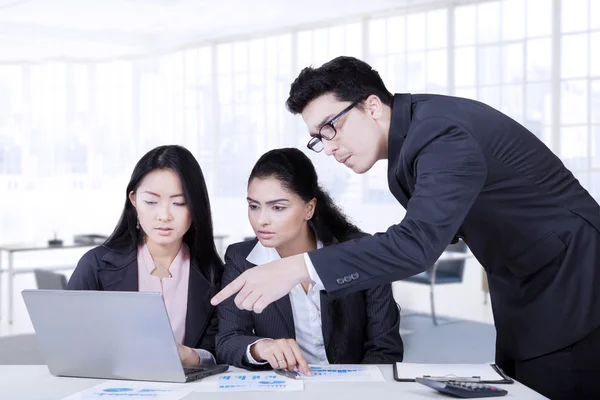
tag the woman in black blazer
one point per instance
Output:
(290, 214)
(164, 242)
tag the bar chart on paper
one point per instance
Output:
(340, 372)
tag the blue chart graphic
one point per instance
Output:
(251, 381)
(318, 371)
(131, 393)
(271, 383)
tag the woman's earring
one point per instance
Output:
(137, 225)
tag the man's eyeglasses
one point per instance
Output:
(328, 130)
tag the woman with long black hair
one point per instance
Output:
(164, 243)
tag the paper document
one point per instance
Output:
(134, 390)
(248, 382)
(339, 372)
(485, 372)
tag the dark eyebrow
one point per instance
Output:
(268, 202)
(325, 120)
(321, 124)
(154, 194)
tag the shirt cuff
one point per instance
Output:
(206, 358)
(314, 277)
(251, 359)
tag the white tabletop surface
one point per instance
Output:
(34, 382)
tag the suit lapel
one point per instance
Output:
(326, 322)
(401, 118)
(199, 309)
(122, 275)
(284, 305)
(397, 190)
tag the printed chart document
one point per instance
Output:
(238, 381)
(339, 372)
(134, 390)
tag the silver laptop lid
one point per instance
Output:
(103, 334)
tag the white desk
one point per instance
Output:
(34, 382)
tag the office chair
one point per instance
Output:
(50, 280)
(442, 272)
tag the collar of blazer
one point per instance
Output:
(120, 257)
(399, 126)
(401, 120)
(125, 256)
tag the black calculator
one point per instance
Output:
(463, 389)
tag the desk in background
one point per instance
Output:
(10, 270)
(34, 382)
(451, 256)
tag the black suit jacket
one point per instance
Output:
(112, 269)
(463, 169)
(362, 327)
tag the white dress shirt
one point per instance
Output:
(312, 272)
(306, 310)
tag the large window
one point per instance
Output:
(580, 90)
(410, 51)
(174, 104)
(252, 80)
(198, 108)
(65, 127)
(12, 128)
(315, 47)
(503, 57)
(411, 54)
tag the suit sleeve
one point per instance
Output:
(450, 172)
(383, 343)
(85, 275)
(236, 327)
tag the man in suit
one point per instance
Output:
(462, 170)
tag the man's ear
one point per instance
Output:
(374, 106)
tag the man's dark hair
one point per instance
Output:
(348, 78)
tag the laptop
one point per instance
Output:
(108, 335)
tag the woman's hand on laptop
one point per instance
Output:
(188, 356)
(281, 354)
